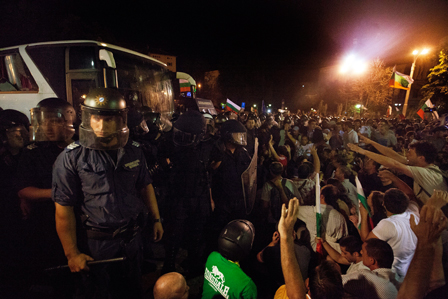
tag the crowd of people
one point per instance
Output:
(238, 191)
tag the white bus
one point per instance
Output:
(69, 69)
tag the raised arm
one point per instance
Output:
(271, 147)
(291, 137)
(316, 160)
(383, 160)
(364, 230)
(387, 151)
(336, 256)
(295, 286)
(402, 186)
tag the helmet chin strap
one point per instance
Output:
(107, 139)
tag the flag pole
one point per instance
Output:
(319, 248)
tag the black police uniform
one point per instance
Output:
(227, 187)
(188, 203)
(41, 240)
(108, 194)
(11, 224)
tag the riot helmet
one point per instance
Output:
(231, 115)
(253, 116)
(236, 239)
(104, 120)
(14, 126)
(52, 120)
(210, 122)
(234, 132)
(189, 129)
(136, 123)
(220, 119)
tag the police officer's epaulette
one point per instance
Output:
(72, 146)
(32, 146)
(135, 143)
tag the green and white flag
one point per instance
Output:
(362, 201)
(231, 106)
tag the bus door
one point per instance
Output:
(82, 73)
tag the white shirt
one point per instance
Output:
(350, 137)
(355, 267)
(380, 283)
(428, 178)
(333, 224)
(397, 231)
(352, 192)
(303, 150)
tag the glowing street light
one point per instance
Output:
(199, 85)
(353, 64)
(255, 105)
(416, 54)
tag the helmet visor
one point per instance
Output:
(182, 138)
(50, 126)
(165, 124)
(102, 129)
(240, 138)
(17, 136)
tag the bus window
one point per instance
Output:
(51, 63)
(14, 75)
(144, 81)
(82, 58)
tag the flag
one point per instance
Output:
(231, 106)
(263, 107)
(399, 80)
(184, 85)
(363, 201)
(427, 104)
(319, 248)
(389, 111)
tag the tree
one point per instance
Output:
(371, 88)
(437, 88)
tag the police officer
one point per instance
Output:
(14, 127)
(219, 120)
(251, 132)
(229, 159)
(51, 130)
(223, 276)
(189, 200)
(105, 176)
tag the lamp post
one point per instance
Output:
(416, 54)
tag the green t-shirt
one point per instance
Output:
(222, 277)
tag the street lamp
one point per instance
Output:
(199, 85)
(255, 105)
(416, 54)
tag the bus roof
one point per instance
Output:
(101, 44)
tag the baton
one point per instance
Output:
(89, 263)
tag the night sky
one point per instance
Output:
(280, 42)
